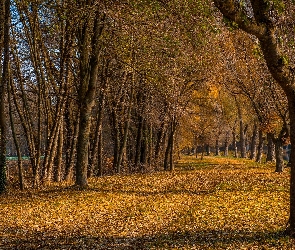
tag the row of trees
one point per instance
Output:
(272, 24)
(104, 87)
(235, 120)
(96, 86)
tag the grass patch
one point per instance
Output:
(217, 203)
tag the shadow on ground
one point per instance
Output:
(215, 239)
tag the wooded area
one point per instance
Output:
(95, 88)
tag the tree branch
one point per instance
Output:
(236, 13)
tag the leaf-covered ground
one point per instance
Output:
(216, 203)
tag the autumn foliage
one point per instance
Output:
(215, 203)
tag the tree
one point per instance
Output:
(42, 84)
(272, 24)
(250, 77)
(4, 81)
(89, 32)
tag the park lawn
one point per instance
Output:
(214, 203)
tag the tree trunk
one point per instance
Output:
(51, 151)
(122, 147)
(203, 150)
(159, 141)
(138, 141)
(100, 155)
(243, 138)
(71, 154)
(5, 6)
(96, 149)
(270, 148)
(123, 143)
(235, 148)
(291, 102)
(24, 117)
(168, 157)
(150, 142)
(279, 155)
(82, 146)
(260, 147)
(171, 160)
(284, 133)
(217, 147)
(89, 64)
(16, 144)
(226, 145)
(196, 148)
(116, 139)
(173, 129)
(99, 135)
(59, 156)
(208, 150)
(144, 148)
(254, 142)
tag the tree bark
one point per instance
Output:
(116, 139)
(100, 152)
(226, 144)
(159, 141)
(168, 160)
(96, 149)
(59, 156)
(284, 133)
(70, 161)
(217, 152)
(82, 146)
(90, 48)
(150, 142)
(260, 147)
(144, 147)
(235, 144)
(254, 142)
(203, 150)
(243, 129)
(171, 158)
(122, 146)
(15, 140)
(279, 156)
(291, 101)
(51, 152)
(270, 148)
(138, 141)
(208, 150)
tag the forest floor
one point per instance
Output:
(214, 203)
